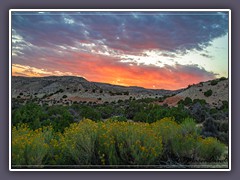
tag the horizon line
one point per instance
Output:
(111, 83)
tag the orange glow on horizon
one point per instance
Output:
(118, 75)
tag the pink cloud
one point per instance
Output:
(105, 69)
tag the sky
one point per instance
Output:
(157, 50)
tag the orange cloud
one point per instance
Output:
(105, 69)
(109, 70)
(21, 70)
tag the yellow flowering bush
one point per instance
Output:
(114, 143)
(56, 154)
(28, 146)
(79, 141)
(184, 145)
(169, 130)
(210, 149)
(106, 143)
(137, 143)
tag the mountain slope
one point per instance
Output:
(69, 89)
(213, 92)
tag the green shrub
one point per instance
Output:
(185, 143)
(59, 118)
(224, 126)
(189, 127)
(141, 117)
(210, 149)
(213, 110)
(181, 102)
(187, 101)
(222, 79)
(201, 101)
(89, 113)
(64, 96)
(30, 113)
(214, 82)
(208, 93)
(224, 106)
(183, 148)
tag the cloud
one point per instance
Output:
(139, 49)
(206, 55)
(121, 31)
(110, 70)
(21, 70)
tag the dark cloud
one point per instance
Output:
(20, 74)
(170, 55)
(206, 55)
(173, 32)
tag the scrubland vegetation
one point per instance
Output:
(87, 143)
(136, 133)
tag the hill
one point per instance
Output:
(70, 89)
(214, 92)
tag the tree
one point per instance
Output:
(214, 82)
(208, 93)
(141, 116)
(90, 113)
(30, 113)
(187, 101)
(60, 117)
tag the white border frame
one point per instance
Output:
(118, 10)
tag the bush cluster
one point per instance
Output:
(87, 143)
(60, 117)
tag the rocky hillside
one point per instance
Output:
(69, 89)
(214, 92)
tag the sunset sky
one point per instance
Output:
(158, 50)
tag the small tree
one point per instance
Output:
(208, 93)
(222, 78)
(214, 82)
(187, 101)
